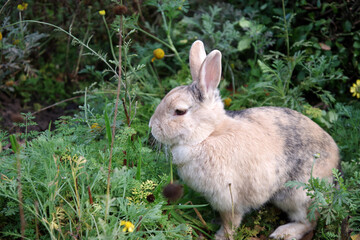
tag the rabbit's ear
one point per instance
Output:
(210, 72)
(196, 58)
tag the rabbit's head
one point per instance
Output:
(189, 114)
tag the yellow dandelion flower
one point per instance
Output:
(159, 53)
(22, 7)
(128, 226)
(95, 126)
(0, 36)
(227, 101)
(102, 12)
(355, 89)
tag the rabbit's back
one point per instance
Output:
(301, 140)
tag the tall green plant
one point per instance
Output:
(333, 203)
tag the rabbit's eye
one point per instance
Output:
(180, 112)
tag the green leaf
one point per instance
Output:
(266, 69)
(347, 26)
(297, 185)
(138, 170)
(108, 128)
(333, 116)
(14, 144)
(244, 43)
(245, 23)
(356, 44)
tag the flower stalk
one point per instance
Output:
(102, 13)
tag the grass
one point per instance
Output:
(101, 168)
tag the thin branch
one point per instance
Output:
(55, 104)
(126, 112)
(36, 204)
(4, 6)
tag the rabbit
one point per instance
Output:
(240, 160)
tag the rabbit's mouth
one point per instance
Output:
(159, 135)
(165, 137)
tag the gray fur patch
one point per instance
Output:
(296, 149)
(241, 113)
(195, 92)
(282, 194)
(299, 145)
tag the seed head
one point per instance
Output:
(173, 191)
(120, 10)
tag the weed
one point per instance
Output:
(297, 59)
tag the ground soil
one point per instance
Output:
(11, 109)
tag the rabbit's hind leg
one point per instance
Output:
(295, 203)
(290, 231)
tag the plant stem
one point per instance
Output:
(55, 104)
(36, 204)
(126, 112)
(174, 49)
(2, 8)
(139, 162)
(171, 171)
(168, 34)
(110, 40)
(26, 128)
(85, 107)
(286, 30)
(82, 47)
(114, 121)
(232, 79)
(287, 81)
(69, 38)
(22, 29)
(21, 208)
(232, 202)
(170, 46)
(77, 196)
(16, 148)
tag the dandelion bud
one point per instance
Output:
(159, 53)
(150, 198)
(227, 101)
(22, 7)
(173, 191)
(102, 12)
(120, 10)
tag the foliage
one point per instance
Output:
(333, 203)
(302, 55)
(64, 182)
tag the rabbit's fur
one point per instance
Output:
(241, 159)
